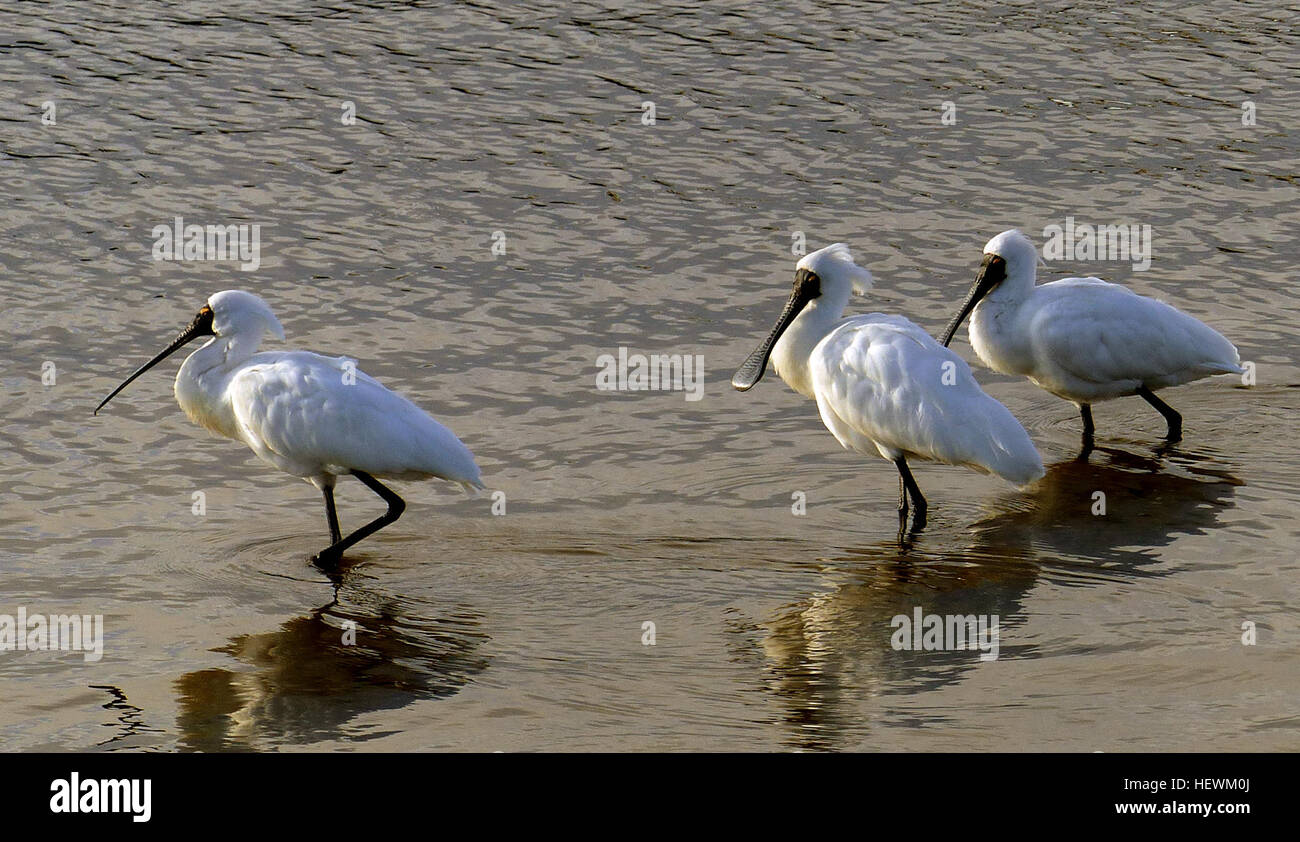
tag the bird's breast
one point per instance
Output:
(201, 395)
(791, 356)
(997, 341)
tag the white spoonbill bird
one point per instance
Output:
(311, 416)
(1083, 339)
(883, 385)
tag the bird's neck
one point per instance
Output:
(1014, 289)
(996, 333)
(201, 382)
(791, 354)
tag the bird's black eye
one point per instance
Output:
(203, 321)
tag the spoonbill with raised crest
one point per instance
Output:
(311, 416)
(1084, 339)
(883, 385)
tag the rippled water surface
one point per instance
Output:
(524, 631)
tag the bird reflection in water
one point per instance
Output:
(306, 681)
(130, 731)
(828, 654)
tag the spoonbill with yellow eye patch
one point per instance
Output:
(883, 385)
(1083, 339)
(311, 416)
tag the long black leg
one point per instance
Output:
(902, 503)
(396, 505)
(1085, 412)
(332, 515)
(1175, 420)
(910, 487)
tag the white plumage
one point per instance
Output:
(883, 385)
(879, 385)
(308, 415)
(290, 409)
(1084, 339)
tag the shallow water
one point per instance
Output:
(524, 631)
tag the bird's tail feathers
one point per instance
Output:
(1008, 450)
(1016, 462)
(1025, 474)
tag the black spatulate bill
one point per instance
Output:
(993, 271)
(201, 326)
(807, 286)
